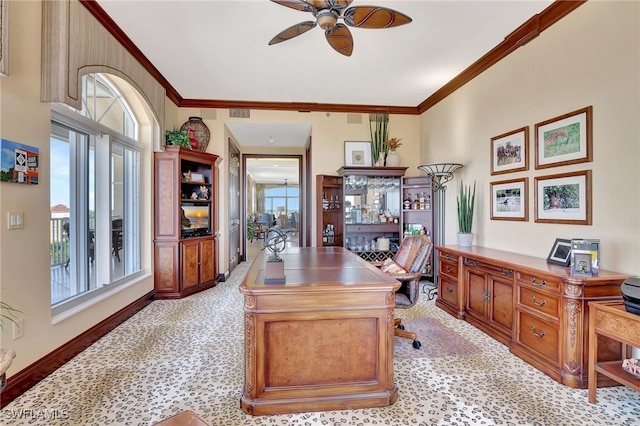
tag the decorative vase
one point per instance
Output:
(200, 130)
(465, 239)
(393, 159)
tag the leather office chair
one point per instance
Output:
(412, 257)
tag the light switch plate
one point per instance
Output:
(15, 220)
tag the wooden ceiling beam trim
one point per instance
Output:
(521, 36)
(297, 106)
(113, 28)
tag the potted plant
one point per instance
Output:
(378, 127)
(392, 159)
(177, 137)
(7, 313)
(466, 201)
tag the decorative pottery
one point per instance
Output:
(200, 130)
(393, 159)
(465, 239)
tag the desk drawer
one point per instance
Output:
(540, 282)
(538, 301)
(448, 268)
(448, 289)
(539, 336)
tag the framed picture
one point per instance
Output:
(583, 249)
(566, 139)
(581, 264)
(197, 177)
(509, 200)
(564, 198)
(560, 253)
(510, 152)
(357, 154)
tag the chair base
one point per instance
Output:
(399, 331)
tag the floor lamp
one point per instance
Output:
(440, 174)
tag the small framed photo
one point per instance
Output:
(563, 198)
(566, 139)
(197, 177)
(581, 264)
(510, 152)
(585, 250)
(357, 154)
(560, 252)
(509, 200)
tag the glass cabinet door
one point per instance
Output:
(372, 208)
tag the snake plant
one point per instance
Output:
(466, 201)
(379, 129)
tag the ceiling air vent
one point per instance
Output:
(239, 113)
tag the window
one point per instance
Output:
(95, 191)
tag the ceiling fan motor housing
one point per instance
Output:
(327, 18)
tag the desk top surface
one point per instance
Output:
(306, 267)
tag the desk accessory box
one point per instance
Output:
(585, 257)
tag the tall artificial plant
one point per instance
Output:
(466, 201)
(379, 128)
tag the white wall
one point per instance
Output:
(590, 57)
(25, 275)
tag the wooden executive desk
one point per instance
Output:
(322, 341)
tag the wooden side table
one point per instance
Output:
(610, 319)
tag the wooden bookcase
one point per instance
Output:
(329, 210)
(418, 214)
(185, 253)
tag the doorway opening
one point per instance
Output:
(272, 198)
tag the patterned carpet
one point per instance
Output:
(187, 354)
(439, 340)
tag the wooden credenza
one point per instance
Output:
(322, 341)
(537, 309)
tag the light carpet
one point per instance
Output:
(187, 354)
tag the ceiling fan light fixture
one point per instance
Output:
(327, 19)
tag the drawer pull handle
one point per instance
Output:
(471, 262)
(505, 271)
(542, 303)
(538, 335)
(448, 257)
(540, 284)
(487, 295)
(449, 269)
(449, 290)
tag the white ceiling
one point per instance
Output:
(218, 50)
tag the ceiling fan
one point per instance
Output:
(327, 14)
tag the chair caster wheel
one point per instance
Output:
(417, 344)
(400, 327)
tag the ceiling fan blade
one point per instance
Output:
(296, 4)
(340, 39)
(293, 31)
(374, 17)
